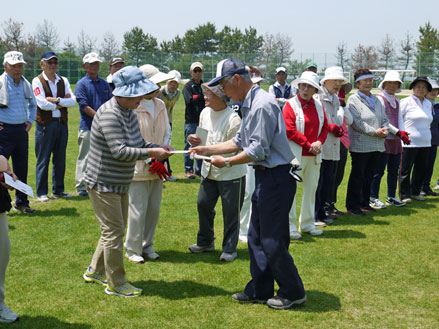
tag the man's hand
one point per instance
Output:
(52, 99)
(28, 126)
(316, 147)
(200, 150)
(218, 161)
(167, 147)
(194, 140)
(159, 153)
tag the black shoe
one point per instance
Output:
(279, 303)
(428, 191)
(244, 298)
(25, 209)
(355, 212)
(329, 214)
(336, 212)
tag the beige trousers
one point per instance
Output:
(111, 210)
(81, 162)
(5, 250)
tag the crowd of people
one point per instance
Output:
(250, 147)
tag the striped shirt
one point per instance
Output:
(115, 145)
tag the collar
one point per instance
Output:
(168, 93)
(392, 99)
(327, 96)
(12, 80)
(201, 81)
(57, 78)
(247, 103)
(304, 102)
(277, 84)
(369, 99)
(90, 78)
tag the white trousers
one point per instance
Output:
(143, 215)
(5, 250)
(310, 174)
(81, 162)
(246, 209)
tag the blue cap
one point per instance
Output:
(227, 68)
(130, 81)
(48, 55)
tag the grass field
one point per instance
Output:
(378, 271)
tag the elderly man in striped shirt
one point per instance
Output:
(115, 145)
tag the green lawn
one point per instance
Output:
(378, 271)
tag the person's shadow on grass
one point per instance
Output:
(175, 256)
(179, 289)
(68, 212)
(45, 322)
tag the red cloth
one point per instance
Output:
(345, 138)
(311, 125)
(342, 97)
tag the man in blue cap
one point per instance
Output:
(54, 96)
(263, 140)
(115, 145)
(17, 114)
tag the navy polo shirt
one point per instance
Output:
(93, 93)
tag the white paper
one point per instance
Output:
(201, 157)
(202, 134)
(18, 185)
(176, 152)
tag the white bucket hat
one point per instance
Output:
(153, 74)
(391, 76)
(433, 83)
(176, 76)
(310, 78)
(334, 73)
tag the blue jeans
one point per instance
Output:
(14, 143)
(392, 162)
(190, 128)
(50, 140)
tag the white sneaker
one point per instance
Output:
(436, 188)
(6, 315)
(134, 258)
(294, 235)
(320, 224)
(172, 179)
(314, 231)
(243, 238)
(376, 204)
(43, 198)
(228, 256)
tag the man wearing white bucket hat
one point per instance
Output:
(281, 89)
(391, 157)
(331, 84)
(307, 129)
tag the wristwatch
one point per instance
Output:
(58, 99)
(228, 165)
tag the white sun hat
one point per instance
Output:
(433, 83)
(176, 76)
(391, 76)
(334, 73)
(310, 78)
(153, 74)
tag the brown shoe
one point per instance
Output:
(189, 175)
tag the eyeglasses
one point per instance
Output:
(223, 82)
(197, 70)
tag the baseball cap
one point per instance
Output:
(280, 69)
(116, 60)
(48, 55)
(13, 57)
(194, 65)
(91, 58)
(311, 64)
(227, 68)
(130, 81)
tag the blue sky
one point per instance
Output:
(314, 26)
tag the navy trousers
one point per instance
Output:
(269, 237)
(392, 162)
(14, 143)
(429, 173)
(324, 188)
(51, 140)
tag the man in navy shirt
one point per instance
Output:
(91, 92)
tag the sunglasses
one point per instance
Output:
(197, 70)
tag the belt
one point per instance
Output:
(259, 167)
(57, 119)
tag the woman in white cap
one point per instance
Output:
(367, 134)
(417, 114)
(331, 84)
(116, 145)
(434, 127)
(307, 129)
(145, 193)
(391, 157)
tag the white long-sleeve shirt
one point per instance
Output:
(40, 95)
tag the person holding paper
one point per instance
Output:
(221, 123)
(6, 315)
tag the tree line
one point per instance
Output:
(267, 51)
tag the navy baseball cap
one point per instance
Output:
(227, 68)
(48, 55)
